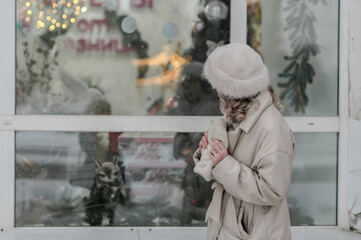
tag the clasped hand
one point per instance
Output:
(218, 152)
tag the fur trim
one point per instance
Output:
(236, 70)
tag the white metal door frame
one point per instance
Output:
(10, 123)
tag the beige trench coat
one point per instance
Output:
(251, 183)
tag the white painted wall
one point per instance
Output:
(354, 170)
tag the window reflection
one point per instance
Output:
(147, 179)
(107, 179)
(299, 45)
(117, 57)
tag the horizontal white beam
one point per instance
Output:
(85, 123)
(160, 233)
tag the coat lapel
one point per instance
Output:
(233, 137)
(253, 113)
(255, 110)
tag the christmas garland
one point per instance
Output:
(300, 21)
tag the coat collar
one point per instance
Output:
(255, 111)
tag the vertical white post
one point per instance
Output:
(342, 203)
(239, 21)
(7, 180)
(7, 57)
(7, 107)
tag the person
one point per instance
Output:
(253, 175)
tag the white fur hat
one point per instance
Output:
(236, 71)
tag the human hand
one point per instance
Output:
(218, 152)
(204, 141)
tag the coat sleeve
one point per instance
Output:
(265, 184)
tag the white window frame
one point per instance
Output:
(10, 123)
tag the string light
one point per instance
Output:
(48, 13)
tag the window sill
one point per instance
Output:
(144, 233)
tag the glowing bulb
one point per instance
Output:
(48, 18)
(27, 4)
(64, 16)
(27, 19)
(72, 20)
(63, 26)
(57, 24)
(68, 4)
(77, 12)
(29, 12)
(53, 21)
(52, 27)
(83, 9)
(41, 13)
(77, 8)
(75, 1)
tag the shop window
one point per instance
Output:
(117, 58)
(145, 57)
(147, 179)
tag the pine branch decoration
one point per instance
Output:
(300, 22)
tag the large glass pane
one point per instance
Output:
(108, 179)
(147, 179)
(117, 57)
(312, 198)
(298, 40)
